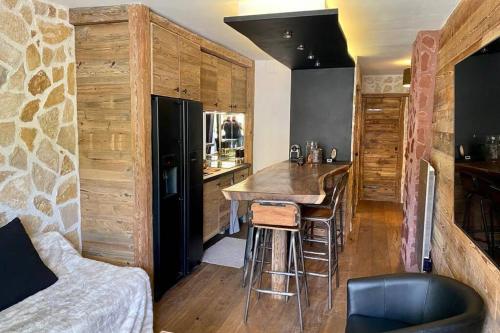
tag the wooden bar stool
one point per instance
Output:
(267, 216)
(327, 218)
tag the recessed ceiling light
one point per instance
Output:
(317, 63)
(310, 56)
(287, 34)
(300, 47)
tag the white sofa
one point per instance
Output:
(89, 296)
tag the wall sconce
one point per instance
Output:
(407, 78)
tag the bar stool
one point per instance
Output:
(494, 194)
(326, 217)
(267, 216)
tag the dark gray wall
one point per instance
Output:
(321, 109)
(477, 98)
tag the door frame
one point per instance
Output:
(359, 122)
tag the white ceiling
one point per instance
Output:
(379, 32)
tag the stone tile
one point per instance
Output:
(48, 54)
(49, 122)
(19, 159)
(27, 14)
(38, 83)
(62, 14)
(74, 238)
(28, 135)
(10, 3)
(67, 138)
(54, 33)
(43, 179)
(69, 111)
(67, 166)
(13, 27)
(4, 175)
(16, 81)
(9, 54)
(31, 224)
(15, 193)
(41, 8)
(60, 54)
(55, 97)
(7, 134)
(29, 110)
(67, 191)
(57, 74)
(11, 102)
(71, 78)
(4, 72)
(43, 205)
(48, 155)
(70, 215)
(32, 57)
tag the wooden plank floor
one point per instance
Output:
(212, 300)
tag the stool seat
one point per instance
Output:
(316, 212)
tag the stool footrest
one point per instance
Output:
(273, 292)
(279, 273)
(315, 258)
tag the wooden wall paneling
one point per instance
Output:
(104, 135)
(238, 88)
(249, 121)
(165, 62)
(175, 28)
(472, 25)
(223, 85)
(140, 102)
(209, 82)
(190, 65)
(96, 15)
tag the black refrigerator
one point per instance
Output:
(177, 144)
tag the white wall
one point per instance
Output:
(271, 113)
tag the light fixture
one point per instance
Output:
(300, 47)
(317, 63)
(287, 34)
(310, 56)
(407, 77)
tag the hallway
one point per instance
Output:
(211, 299)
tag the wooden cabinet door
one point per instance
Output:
(224, 205)
(381, 148)
(239, 88)
(209, 82)
(210, 209)
(190, 69)
(165, 62)
(223, 85)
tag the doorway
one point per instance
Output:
(381, 146)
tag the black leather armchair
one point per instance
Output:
(412, 302)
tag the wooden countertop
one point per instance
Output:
(286, 181)
(490, 167)
(224, 171)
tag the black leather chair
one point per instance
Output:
(412, 302)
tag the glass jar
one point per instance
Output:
(310, 146)
(317, 155)
(491, 146)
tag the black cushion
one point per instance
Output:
(22, 272)
(423, 302)
(359, 323)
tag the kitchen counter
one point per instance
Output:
(223, 171)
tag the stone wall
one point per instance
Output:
(419, 135)
(383, 84)
(38, 138)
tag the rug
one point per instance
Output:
(228, 252)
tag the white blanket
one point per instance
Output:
(90, 296)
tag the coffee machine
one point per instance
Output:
(295, 153)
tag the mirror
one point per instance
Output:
(477, 148)
(224, 136)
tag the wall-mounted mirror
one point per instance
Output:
(224, 138)
(477, 141)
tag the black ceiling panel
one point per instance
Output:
(318, 31)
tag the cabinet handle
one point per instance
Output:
(235, 106)
(185, 91)
(177, 89)
(216, 104)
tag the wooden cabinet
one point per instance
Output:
(165, 58)
(238, 88)
(209, 82)
(190, 65)
(226, 84)
(176, 64)
(223, 85)
(216, 209)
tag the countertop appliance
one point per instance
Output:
(177, 145)
(294, 153)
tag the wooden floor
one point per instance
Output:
(212, 300)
